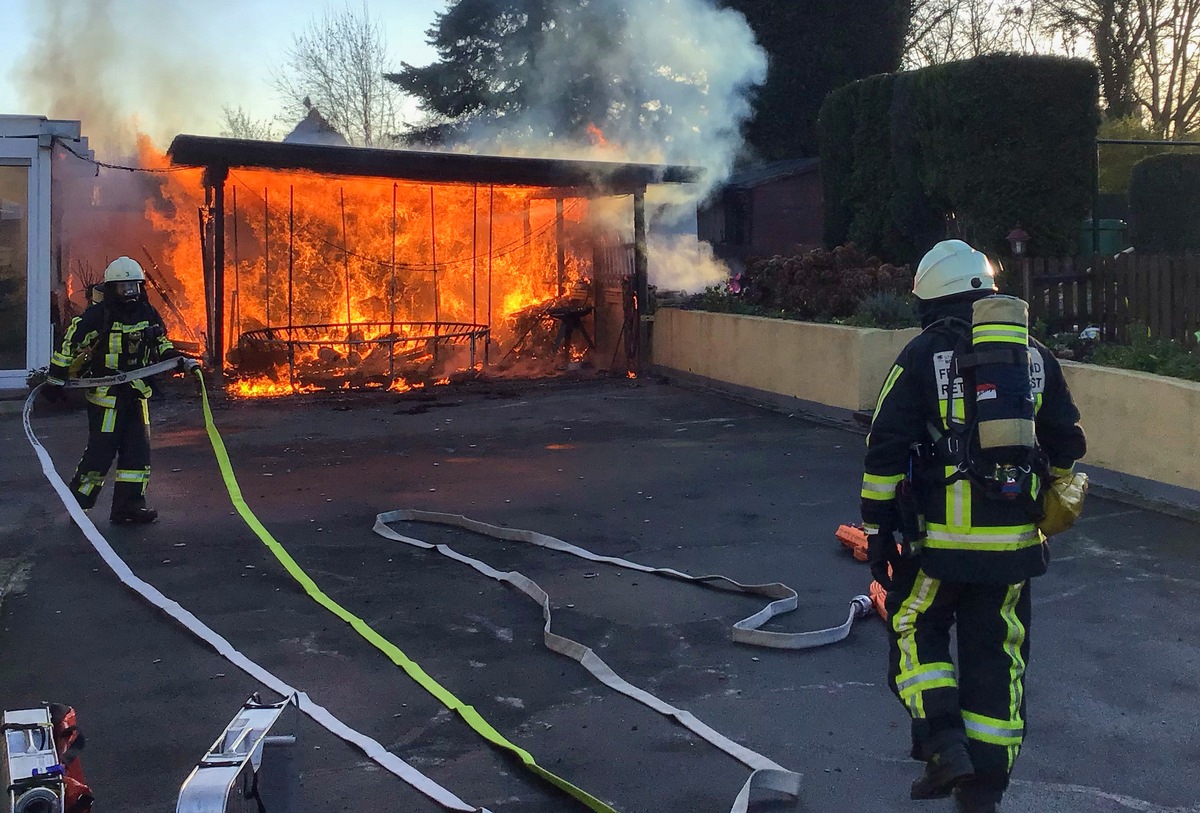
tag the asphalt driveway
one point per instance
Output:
(659, 474)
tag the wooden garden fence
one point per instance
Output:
(1161, 292)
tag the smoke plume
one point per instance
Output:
(122, 67)
(680, 74)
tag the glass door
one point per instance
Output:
(14, 266)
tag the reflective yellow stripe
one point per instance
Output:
(89, 482)
(100, 398)
(880, 487)
(958, 501)
(133, 475)
(113, 357)
(992, 730)
(109, 421)
(923, 592)
(145, 412)
(1016, 537)
(1013, 642)
(929, 676)
(888, 383)
(1000, 333)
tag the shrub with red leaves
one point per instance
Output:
(821, 284)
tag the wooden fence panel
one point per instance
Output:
(1122, 271)
(1113, 293)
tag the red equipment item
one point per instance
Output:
(68, 742)
(854, 539)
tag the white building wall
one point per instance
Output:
(29, 141)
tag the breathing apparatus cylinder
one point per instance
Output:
(1004, 401)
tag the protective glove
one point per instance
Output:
(53, 392)
(882, 554)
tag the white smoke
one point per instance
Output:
(122, 67)
(692, 68)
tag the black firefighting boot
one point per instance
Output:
(948, 765)
(129, 504)
(133, 516)
(980, 794)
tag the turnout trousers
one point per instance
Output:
(120, 432)
(983, 698)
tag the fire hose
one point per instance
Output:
(320, 715)
(766, 774)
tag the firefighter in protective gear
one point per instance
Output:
(121, 333)
(966, 557)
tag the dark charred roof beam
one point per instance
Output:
(596, 177)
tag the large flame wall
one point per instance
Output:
(363, 256)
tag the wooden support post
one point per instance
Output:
(641, 274)
(214, 179)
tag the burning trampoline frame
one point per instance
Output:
(558, 179)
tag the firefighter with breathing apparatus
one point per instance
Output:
(970, 459)
(120, 333)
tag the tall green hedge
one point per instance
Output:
(1164, 203)
(993, 141)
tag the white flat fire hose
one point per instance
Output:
(374, 750)
(766, 774)
(168, 365)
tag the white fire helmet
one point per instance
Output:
(953, 267)
(123, 269)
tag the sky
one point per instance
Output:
(169, 65)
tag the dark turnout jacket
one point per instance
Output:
(110, 338)
(968, 537)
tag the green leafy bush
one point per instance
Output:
(1148, 355)
(1164, 203)
(886, 309)
(992, 141)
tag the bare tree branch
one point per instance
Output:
(337, 64)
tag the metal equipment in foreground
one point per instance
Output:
(246, 764)
(32, 774)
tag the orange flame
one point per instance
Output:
(366, 275)
(596, 136)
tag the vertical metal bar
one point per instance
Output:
(474, 253)
(291, 253)
(560, 235)
(345, 256)
(491, 220)
(267, 252)
(392, 330)
(236, 323)
(291, 283)
(437, 305)
(218, 182)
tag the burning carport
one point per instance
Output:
(358, 266)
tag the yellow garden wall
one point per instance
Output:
(1140, 424)
(1143, 425)
(827, 364)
